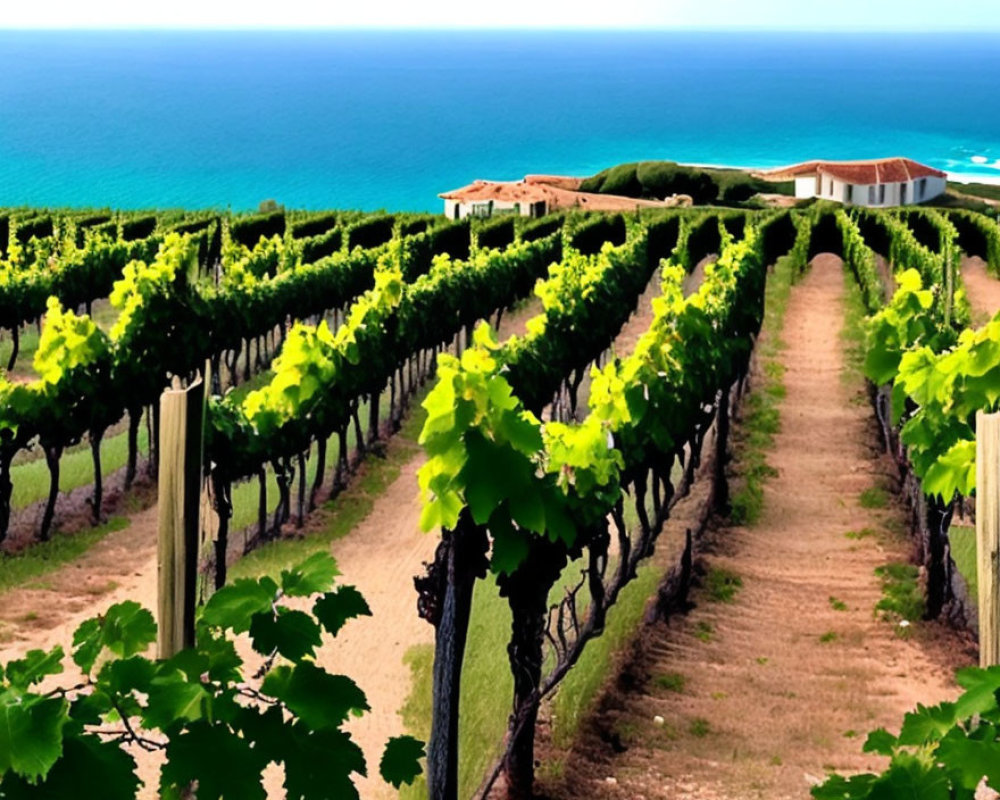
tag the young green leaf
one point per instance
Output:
(313, 575)
(31, 733)
(127, 628)
(87, 643)
(223, 764)
(401, 760)
(321, 700)
(89, 769)
(880, 741)
(294, 634)
(34, 667)
(234, 606)
(334, 608)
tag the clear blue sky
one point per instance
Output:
(880, 15)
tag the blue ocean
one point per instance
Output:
(364, 119)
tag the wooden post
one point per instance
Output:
(988, 535)
(182, 416)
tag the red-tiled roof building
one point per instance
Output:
(534, 196)
(878, 183)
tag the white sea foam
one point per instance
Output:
(964, 177)
(979, 159)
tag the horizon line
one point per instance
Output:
(636, 28)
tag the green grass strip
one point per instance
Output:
(755, 436)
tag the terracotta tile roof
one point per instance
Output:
(875, 171)
(507, 191)
(553, 189)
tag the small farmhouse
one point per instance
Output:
(877, 183)
(489, 198)
(536, 196)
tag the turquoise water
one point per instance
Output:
(389, 119)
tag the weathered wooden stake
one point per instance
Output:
(988, 535)
(182, 415)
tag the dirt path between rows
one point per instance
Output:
(982, 289)
(761, 697)
(45, 611)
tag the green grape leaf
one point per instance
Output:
(313, 575)
(127, 628)
(880, 741)
(970, 760)
(223, 661)
(173, 701)
(927, 724)
(31, 733)
(981, 687)
(223, 764)
(335, 608)
(35, 665)
(294, 634)
(321, 700)
(911, 777)
(441, 512)
(857, 787)
(493, 472)
(89, 769)
(401, 760)
(953, 471)
(510, 546)
(191, 662)
(881, 365)
(319, 764)
(125, 675)
(89, 709)
(528, 510)
(236, 604)
(87, 644)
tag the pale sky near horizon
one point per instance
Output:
(881, 15)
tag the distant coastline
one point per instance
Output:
(955, 176)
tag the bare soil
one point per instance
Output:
(982, 289)
(760, 697)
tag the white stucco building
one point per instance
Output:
(490, 198)
(878, 183)
(536, 196)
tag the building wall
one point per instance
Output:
(805, 187)
(935, 188)
(478, 208)
(832, 189)
(862, 194)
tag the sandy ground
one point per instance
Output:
(778, 687)
(982, 289)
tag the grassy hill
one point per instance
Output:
(659, 179)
